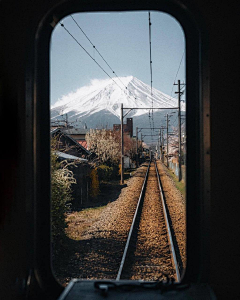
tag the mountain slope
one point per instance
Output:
(101, 101)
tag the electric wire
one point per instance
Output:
(98, 63)
(89, 54)
(150, 46)
(151, 76)
(183, 85)
(152, 127)
(95, 48)
(177, 71)
(104, 59)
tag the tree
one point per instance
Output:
(61, 181)
(106, 146)
(129, 146)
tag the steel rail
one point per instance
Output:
(171, 244)
(132, 226)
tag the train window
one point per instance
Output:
(109, 70)
(120, 99)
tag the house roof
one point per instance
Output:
(59, 131)
(63, 155)
(55, 130)
(83, 143)
(76, 131)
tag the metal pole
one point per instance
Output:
(160, 137)
(179, 131)
(137, 146)
(159, 155)
(162, 147)
(122, 147)
(167, 140)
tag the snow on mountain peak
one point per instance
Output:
(108, 94)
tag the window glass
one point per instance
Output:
(108, 68)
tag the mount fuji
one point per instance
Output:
(99, 104)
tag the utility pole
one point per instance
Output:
(162, 147)
(122, 147)
(122, 136)
(137, 146)
(167, 140)
(179, 129)
(168, 119)
(160, 138)
(159, 155)
(141, 144)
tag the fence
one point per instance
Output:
(80, 190)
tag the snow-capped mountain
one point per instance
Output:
(99, 103)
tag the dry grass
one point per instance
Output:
(79, 222)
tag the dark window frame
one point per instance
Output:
(197, 131)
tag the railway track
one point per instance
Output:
(149, 253)
(143, 253)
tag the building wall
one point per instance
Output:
(77, 136)
(130, 126)
(127, 128)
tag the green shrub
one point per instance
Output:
(104, 172)
(61, 181)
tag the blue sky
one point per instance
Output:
(123, 41)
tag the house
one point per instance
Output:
(67, 144)
(127, 128)
(78, 134)
(128, 163)
(68, 149)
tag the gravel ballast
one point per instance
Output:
(97, 237)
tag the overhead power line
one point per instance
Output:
(99, 64)
(151, 76)
(124, 90)
(114, 72)
(150, 47)
(178, 70)
(103, 58)
(97, 50)
(89, 54)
